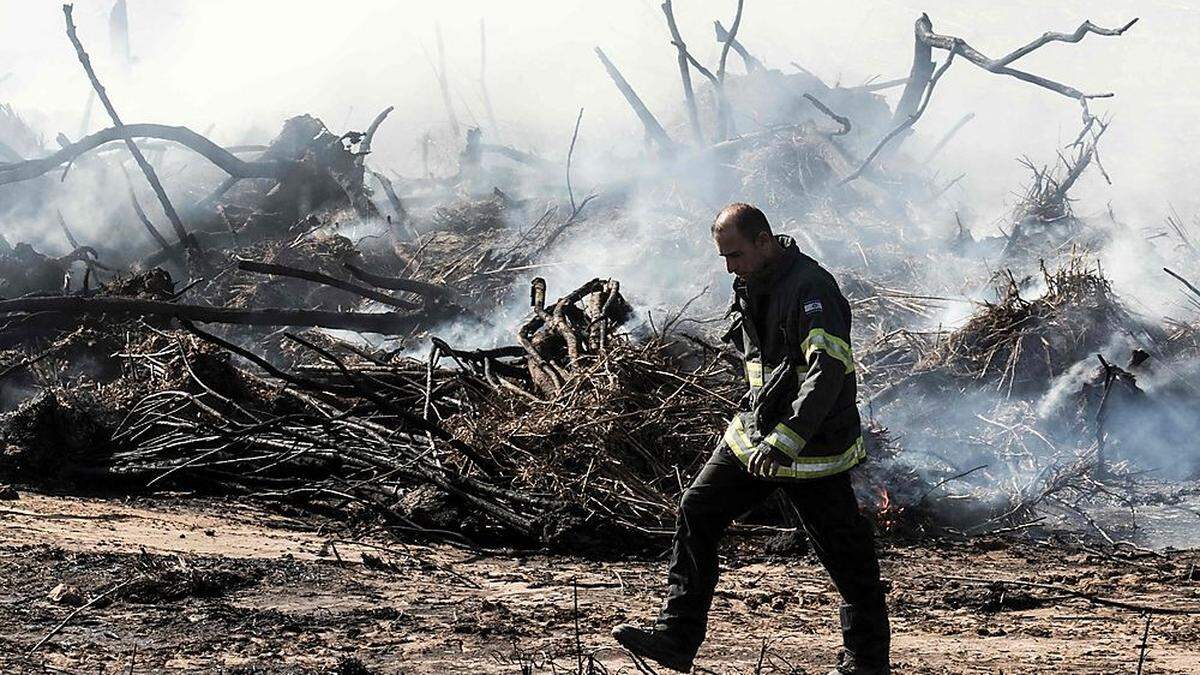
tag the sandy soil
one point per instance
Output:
(216, 586)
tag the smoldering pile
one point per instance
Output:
(490, 448)
(1043, 426)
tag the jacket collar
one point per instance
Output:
(786, 262)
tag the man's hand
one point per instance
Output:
(763, 462)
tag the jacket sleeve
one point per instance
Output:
(821, 334)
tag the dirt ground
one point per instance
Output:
(218, 586)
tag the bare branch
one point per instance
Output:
(1085, 28)
(151, 176)
(653, 128)
(487, 99)
(912, 119)
(440, 72)
(364, 148)
(571, 152)
(949, 135)
(845, 122)
(324, 279)
(386, 323)
(145, 220)
(752, 64)
(729, 40)
(685, 75)
(925, 35)
(225, 160)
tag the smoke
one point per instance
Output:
(236, 70)
(244, 67)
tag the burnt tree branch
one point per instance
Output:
(387, 323)
(685, 75)
(324, 279)
(906, 124)
(651, 124)
(1000, 66)
(222, 158)
(102, 94)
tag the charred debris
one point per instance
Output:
(274, 330)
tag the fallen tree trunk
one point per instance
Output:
(387, 323)
(421, 288)
(325, 279)
(222, 158)
(649, 121)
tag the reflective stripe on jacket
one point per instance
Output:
(802, 399)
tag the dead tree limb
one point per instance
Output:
(918, 75)
(906, 124)
(685, 75)
(487, 99)
(421, 288)
(843, 121)
(516, 155)
(880, 86)
(725, 124)
(62, 223)
(1000, 66)
(1046, 38)
(145, 220)
(151, 176)
(384, 404)
(730, 37)
(324, 279)
(1076, 168)
(386, 323)
(364, 148)
(653, 128)
(752, 64)
(401, 214)
(1190, 286)
(443, 83)
(76, 612)
(225, 160)
(571, 153)
(948, 136)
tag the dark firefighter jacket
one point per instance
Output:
(793, 329)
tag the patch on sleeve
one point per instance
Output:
(812, 307)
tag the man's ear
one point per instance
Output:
(763, 239)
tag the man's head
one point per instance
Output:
(744, 239)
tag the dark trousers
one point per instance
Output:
(841, 538)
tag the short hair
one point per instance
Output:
(748, 220)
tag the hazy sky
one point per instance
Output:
(245, 65)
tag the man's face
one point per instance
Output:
(743, 257)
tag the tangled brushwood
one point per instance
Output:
(1023, 343)
(471, 447)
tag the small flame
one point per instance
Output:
(887, 515)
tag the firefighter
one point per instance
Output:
(798, 429)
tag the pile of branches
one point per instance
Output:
(464, 441)
(1021, 344)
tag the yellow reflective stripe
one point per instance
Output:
(754, 373)
(785, 440)
(832, 345)
(818, 467)
(738, 440)
(801, 467)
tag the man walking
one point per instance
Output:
(800, 432)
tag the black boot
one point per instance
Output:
(849, 665)
(657, 645)
(867, 638)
